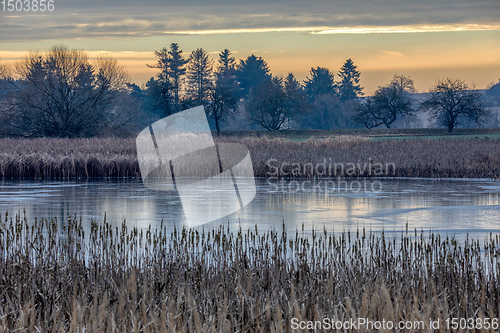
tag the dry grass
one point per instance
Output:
(66, 158)
(412, 158)
(118, 280)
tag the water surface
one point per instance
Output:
(450, 207)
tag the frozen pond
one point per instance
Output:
(458, 207)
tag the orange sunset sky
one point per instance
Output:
(426, 40)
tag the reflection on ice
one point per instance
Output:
(447, 206)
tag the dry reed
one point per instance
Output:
(57, 277)
(114, 157)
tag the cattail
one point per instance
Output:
(216, 281)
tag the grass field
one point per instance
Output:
(465, 154)
(116, 280)
(378, 133)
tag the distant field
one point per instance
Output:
(377, 134)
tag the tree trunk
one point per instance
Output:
(216, 119)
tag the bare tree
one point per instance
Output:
(452, 99)
(403, 83)
(6, 99)
(5, 78)
(272, 105)
(387, 103)
(3, 71)
(62, 93)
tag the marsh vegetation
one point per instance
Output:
(130, 280)
(466, 157)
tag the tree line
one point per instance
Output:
(226, 87)
(63, 93)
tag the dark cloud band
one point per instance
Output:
(77, 19)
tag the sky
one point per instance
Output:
(426, 40)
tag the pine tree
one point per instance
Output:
(177, 71)
(162, 63)
(296, 96)
(160, 89)
(199, 75)
(349, 87)
(224, 93)
(226, 61)
(252, 73)
(320, 82)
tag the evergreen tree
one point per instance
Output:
(177, 71)
(162, 63)
(296, 96)
(320, 82)
(226, 61)
(160, 99)
(159, 89)
(199, 75)
(224, 93)
(349, 87)
(252, 73)
(165, 91)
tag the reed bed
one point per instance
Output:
(68, 158)
(411, 158)
(58, 278)
(117, 157)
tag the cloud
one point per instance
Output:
(347, 30)
(393, 54)
(127, 18)
(409, 29)
(12, 55)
